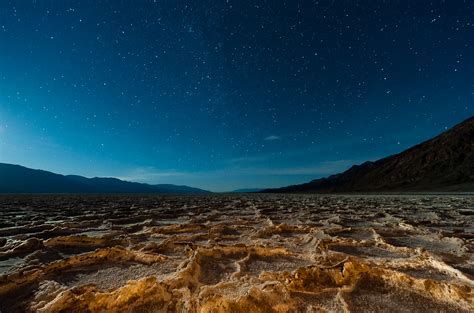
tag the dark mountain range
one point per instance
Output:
(19, 179)
(444, 163)
(247, 190)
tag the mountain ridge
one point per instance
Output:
(442, 163)
(247, 190)
(20, 179)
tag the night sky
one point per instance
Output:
(228, 94)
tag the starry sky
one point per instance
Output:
(228, 94)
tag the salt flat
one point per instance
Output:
(231, 253)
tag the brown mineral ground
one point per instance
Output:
(237, 253)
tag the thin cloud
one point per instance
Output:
(272, 138)
(151, 174)
(322, 169)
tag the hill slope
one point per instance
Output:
(444, 163)
(19, 179)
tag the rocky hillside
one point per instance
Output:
(444, 163)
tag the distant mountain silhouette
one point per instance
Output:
(444, 163)
(247, 190)
(19, 179)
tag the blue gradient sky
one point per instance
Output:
(228, 94)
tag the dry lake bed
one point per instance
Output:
(237, 253)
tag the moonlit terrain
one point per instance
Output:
(249, 253)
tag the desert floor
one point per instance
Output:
(232, 253)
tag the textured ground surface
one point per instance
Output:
(255, 253)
